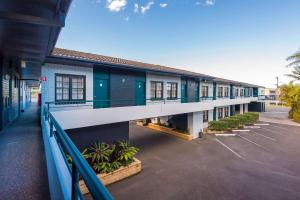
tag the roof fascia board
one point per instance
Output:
(62, 60)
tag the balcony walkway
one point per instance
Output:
(23, 172)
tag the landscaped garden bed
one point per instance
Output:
(232, 123)
(181, 134)
(111, 162)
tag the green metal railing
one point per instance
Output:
(123, 102)
(79, 168)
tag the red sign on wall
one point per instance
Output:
(44, 78)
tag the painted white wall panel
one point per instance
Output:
(91, 117)
(48, 87)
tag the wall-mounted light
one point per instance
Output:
(6, 77)
(23, 64)
(123, 80)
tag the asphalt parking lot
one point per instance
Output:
(262, 163)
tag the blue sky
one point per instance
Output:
(244, 40)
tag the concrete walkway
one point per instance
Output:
(23, 173)
(279, 115)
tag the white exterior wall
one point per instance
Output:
(241, 109)
(195, 123)
(165, 79)
(48, 87)
(246, 108)
(70, 119)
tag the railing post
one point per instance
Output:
(51, 128)
(75, 181)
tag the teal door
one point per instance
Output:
(183, 91)
(101, 93)
(197, 92)
(140, 93)
(214, 90)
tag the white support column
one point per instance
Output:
(195, 123)
(246, 108)
(241, 108)
(164, 120)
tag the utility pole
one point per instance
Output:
(277, 82)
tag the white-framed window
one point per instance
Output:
(226, 92)
(241, 92)
(220, 91)
(69, 87)
(237, 92)
(204, 91)
(205, 116)
(220, 113)
(156, 90)
(250, 91)
(172, 90)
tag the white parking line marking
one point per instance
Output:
(242, 130)
(261, 124)
(272, 131)
(227, 147)
(252, 127)
(270, 138)
(251, 142)
(225, 134)
(279, 127)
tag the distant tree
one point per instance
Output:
(290, 95)
(295, 63)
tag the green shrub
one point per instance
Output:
(295, 113)
(254, 116)
(232, 122)
(236, 121)
(105, 158)
(218, 125)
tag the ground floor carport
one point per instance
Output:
(261, 164)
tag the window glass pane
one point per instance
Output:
(168, 90)
(80, 83)
(74, 83)
(153, 88)
(59, 78)
(63, 84)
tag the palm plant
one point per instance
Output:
(295, 73)
(295, 63)
(123, 152)
(290, 95)
(100, 152)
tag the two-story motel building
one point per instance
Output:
(94, 97)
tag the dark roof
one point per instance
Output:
(65, 53)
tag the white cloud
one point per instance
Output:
(206, 3)
(210, 2)
(116, 5)
(136, 7)
(163, 5)
(147, 7)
